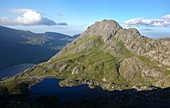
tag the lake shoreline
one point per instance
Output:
(15, 70)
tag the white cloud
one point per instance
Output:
(166, 17)
(162, 22)
(28, 17)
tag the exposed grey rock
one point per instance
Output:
(53, 65)
(63, 68)
(77, 70)
(151, 73)
(133, 41)
(45, 71)
(105, 28)
(130, 67)
(90, 82)
(164, 82)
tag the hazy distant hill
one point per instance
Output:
(18, 46)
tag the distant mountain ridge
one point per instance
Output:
(19, 46)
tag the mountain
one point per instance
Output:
(19, 46)
(108, 56)
(132, 70)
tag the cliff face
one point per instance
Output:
(109, 56)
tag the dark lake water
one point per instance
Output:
(13, 70)
(51, 87)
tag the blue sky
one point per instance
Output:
(150, 17)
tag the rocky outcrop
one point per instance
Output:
(77, 70)
(63, 68)
(151, 73)
(105, 28)
(138, 44)
(130, 67)
(164, 82)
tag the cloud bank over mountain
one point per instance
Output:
(161, 22)
(28, 17)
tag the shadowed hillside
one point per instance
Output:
(130, 98)
(18, 46)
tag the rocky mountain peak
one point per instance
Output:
(105, 28)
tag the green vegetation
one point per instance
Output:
(95, 39)
(167, 72)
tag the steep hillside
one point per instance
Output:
(18, 46)
(109, 56)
